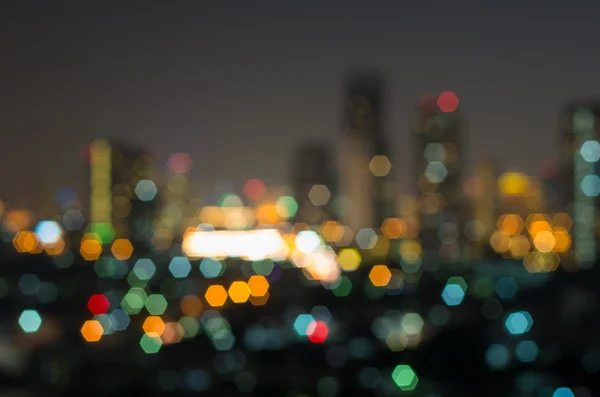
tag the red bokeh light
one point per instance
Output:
(98, 304)
(317, 332)
(447, 101)
(254, 189)
(179, 163)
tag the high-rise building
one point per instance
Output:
(313, 183)
(366, 188)
(579, 155)
(122, 192)
(439, 167)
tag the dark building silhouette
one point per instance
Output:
(365, 182)
(314, 182)
(443, 208)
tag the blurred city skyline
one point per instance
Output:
(238, 87)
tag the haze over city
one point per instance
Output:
(238, 80)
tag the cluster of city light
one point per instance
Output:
(46, 237)
(399, 331)
(538, 240)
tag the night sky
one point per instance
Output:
(239, 84)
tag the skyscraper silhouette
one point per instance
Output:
(439, 169)
(367, 195)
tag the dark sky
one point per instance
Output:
(238, 84)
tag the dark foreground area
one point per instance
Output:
(406, 341)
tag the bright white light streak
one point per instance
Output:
(307, 241)
(250, 245)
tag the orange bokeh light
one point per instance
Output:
(393, 228)
(239, 292)
(154, 326)
(92, 331)
(122, 249)
(259, 286)
(216, 295)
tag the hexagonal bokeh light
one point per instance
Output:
(404, 377)
(48, 232)
(144, 269)
(317, 331)
(590, 185)
(366, 238)
(211, 268)
(302, 322)
(146, 190)
(436, 172)
(319, 195)
(497, 357)
(590, 151)
(380, 165)
(563, 392)
(518, 323)
(527, 351)
(447, 101)
(30, 321)
(180, 267)
(453, 294)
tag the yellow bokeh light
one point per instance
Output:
(519, 246)
(511, 224)
(562, 240)
(513, 183)
(544, 241)
(380, 275)
(500, 242)
(536, 262)
(393, 228)
(349, 259)
(216, 295)
(380, 165)
(239, 292)
(154, 326)
(92, 331)
(90, 248)
(259, 286)
(122, 249)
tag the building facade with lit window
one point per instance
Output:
(122, 192)
(367, 191)
(443, 211)
(579, 155)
